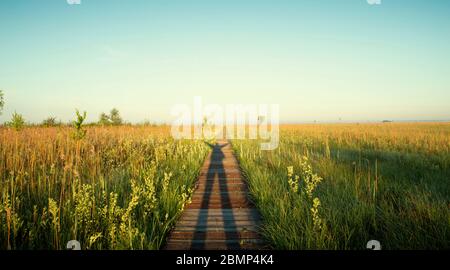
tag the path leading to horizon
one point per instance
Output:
(221, 216)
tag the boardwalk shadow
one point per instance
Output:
(216, 176)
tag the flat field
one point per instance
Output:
(327, 186)
(337, 186)
(118, 188)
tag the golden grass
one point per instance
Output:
(120, 187)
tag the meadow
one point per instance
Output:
(327, 186)
(337, 186)
(117, 188)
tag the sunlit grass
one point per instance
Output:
(118, 188)
(389, 182)
(331, 186)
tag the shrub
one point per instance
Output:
(50, 122)
(115, 117)
(80, 132)
(104, 119)
(2, 102)
(17, 121)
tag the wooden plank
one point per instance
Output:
(219, 178)
(232, 188)
(244, 193)
(209, 245)
(221, 170)
(214, 223)
(224, 163)
(179, 235)
(219, 198)
(219, 184)
(232, 173)
(210, 182)
(218, 241)
(237, 228)
(247, 211)
(219, 218)
(219, 205)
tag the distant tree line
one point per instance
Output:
(114, 118)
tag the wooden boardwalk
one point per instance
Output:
(220, 217)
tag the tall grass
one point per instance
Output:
(389, 182)
(118, 188)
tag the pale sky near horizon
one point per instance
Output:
(321, 60)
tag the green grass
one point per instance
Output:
(385, 191)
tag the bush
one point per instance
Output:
(17, 121)
(113, 118)
(2, 102)
(80, 132)
(104, 119)
(51, 122)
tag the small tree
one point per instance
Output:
(80, 132)
(50, 122)
(2, 102)
(114, 117)
(104, 119)
(17, 121)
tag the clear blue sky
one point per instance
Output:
(319, 59)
